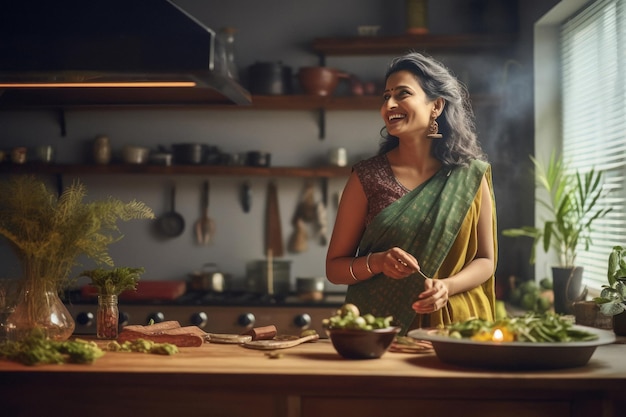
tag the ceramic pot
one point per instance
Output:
(319, 81)
(566, 284)
(619, 324)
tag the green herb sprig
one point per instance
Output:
(114, 281)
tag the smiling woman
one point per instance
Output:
(424, 203)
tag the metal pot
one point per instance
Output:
(270, 78)
(209, 279)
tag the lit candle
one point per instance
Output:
(498, 336)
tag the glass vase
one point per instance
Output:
(107, 321)
(39, 309)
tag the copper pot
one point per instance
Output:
(319, 81)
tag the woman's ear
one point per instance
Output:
(440, 103)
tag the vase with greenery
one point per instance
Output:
(48, 232)
(110, 283)
(570, 200)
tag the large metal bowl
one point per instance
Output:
(514, 355)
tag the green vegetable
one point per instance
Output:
(348, 317)
(532, 327)
(37, 349)
(143, 346)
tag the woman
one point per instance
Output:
(423, 206)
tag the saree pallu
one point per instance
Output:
(436, 223)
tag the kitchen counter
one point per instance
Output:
(308, 380)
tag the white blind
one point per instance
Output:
(593, 47)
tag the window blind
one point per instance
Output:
(593, 48)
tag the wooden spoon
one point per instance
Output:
(205, 226)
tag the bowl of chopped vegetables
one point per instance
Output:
(533, 341)
(356, 336)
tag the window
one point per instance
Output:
(593, 58)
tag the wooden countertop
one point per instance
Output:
(309, 369)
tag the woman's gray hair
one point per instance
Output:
(459, 144)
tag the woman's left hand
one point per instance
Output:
(433, 298)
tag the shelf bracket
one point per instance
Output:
(322, 124)
(62, 122)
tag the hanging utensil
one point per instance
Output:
(273, 231)
(246, 197)
(205, 226)
(171, 224)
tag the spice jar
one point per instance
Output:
(107, 320)
(102, 150)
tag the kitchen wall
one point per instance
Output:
(282, 30)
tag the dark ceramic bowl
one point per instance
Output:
(362, 344)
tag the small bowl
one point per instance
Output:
(135, 154)
(362, 344)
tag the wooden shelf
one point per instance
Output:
(207, 170)
(392, 45)
(303, 102)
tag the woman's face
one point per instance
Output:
(406, 109)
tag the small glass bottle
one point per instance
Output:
(225, 61)
(107, 321)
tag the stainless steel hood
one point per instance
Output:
(109, 52)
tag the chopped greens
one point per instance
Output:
(532, 327)
(36, 349)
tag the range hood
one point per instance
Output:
(108, 52)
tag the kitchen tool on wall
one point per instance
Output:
(205, 226)
(273, 229)
(171, 223)
(245, 195)
(308, 211)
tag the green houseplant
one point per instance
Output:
(48, 232)
(612, 299)
(570, 201)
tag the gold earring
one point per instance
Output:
(433, 129)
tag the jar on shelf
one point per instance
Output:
(107, 319)
(102, 150)
(225, 62)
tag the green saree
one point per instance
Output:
(437, 223)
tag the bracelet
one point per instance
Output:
(352, 270)
(367, 263)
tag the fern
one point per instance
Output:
(48, 232)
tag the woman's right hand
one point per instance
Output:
(395, 263)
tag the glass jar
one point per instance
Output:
(102, 150)
(225, 62)
(107, 320)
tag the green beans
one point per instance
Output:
(532, 327)
(349, 317)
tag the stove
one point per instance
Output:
(228, 312)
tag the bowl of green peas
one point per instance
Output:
(356, 336)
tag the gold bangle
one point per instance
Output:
(352, 270)
(367, 263)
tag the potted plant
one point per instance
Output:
(570, 200)
(110, 283)
(612, 299)
(48, 232)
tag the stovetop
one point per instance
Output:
(226, 298)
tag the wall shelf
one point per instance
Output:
(392, 45)
(207, 170)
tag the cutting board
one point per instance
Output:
(146, 290)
